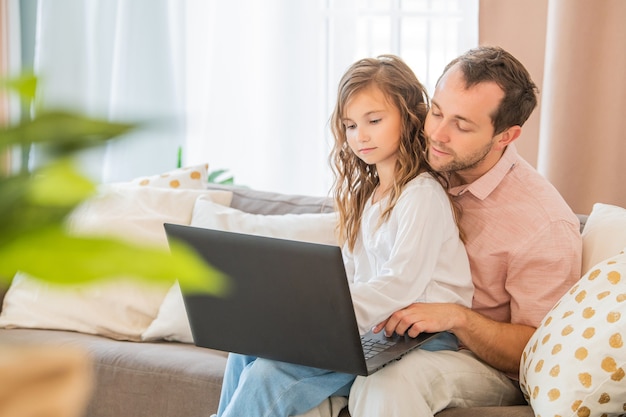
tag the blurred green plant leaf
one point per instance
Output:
(34, 208)
(214, 177)
(85, 259)
(30, 202)
(25, 85)
(63, 132)
(59, 184)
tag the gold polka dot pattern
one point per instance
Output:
(192, 177)
(575, 363)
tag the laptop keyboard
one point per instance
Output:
(372, 347)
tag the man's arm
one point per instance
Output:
(498, 344)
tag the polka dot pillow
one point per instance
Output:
(192, 177)
(575, 363)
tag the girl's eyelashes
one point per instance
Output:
(351, 125)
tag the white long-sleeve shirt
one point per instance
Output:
(414, 256)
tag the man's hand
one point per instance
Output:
(498, 344)
(418, 318)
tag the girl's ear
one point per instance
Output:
(508, 136)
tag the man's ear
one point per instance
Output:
(508, 136)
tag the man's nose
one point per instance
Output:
(438, 132)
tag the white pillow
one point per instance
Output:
(575, 363)
(171, 322)
(137, 214)
(604, 234)
(119, 308)
(306, 227)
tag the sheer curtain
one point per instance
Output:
(256, 82)
(119, 60)
(244, 85)
(263, 76)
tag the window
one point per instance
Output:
(244, 85)
(427, 34)
(284, 61)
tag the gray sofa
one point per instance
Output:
(135, 379)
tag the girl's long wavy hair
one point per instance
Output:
(355, 180)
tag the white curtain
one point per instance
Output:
(256, 90)
(120, 60)
(244, 85)
(263, 76)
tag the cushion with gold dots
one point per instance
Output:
(575, 363)
(191, 177)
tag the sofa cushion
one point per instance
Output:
(604, 234)
(171, 322)
(309, 227)
(140, 379)
(191, 177)
(508, 411)
(121, 307)
(576, 360)
(267, 202)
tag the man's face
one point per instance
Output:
(459, 127)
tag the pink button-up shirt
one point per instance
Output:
(522, 239)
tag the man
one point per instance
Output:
(522, 239)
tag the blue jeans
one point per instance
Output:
(263, 387)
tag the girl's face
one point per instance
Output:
(373, 128)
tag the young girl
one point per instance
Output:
(401, 242)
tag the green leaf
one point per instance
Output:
(31, 202)
(54, 256)
(25, 85)
(63, 132)
(214, 174)
(33, 209)
(59, 184)
(214, 177)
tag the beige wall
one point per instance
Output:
(575, 52)
(583, 128)
(519, 26)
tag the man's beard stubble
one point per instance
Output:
(460, 164)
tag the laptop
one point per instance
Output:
(288, 301)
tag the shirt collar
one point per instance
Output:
(483, 186)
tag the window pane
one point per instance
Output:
(443, 44)
(415, 5)
(414, 46)
(374, 36)
(371, 5)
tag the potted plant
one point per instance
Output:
(34, 239)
